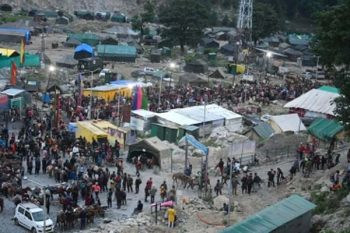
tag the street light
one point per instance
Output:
(160, 88)
(52, 68)
(44, 189)
(172, 66)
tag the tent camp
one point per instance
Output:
(287, 122)
(83, 51)
(316, 102)
(325, 129)
(152, 148)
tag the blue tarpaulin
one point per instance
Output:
(193, 141)
(84, 47)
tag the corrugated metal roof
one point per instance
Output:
(264, 130)
(116, 50)
(197, 113)
(325, 129)
(178, 118)
(272, 217)
(289, 122)
(12, 91)
(315, 100)
(143, 113)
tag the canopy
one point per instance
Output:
(325, 129)
(315, 100)
(84, 47)
(152, 148)
(273, 217)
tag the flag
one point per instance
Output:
(139, 98)
(23, 46)
(13, 80)
(144, 100)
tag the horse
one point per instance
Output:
(183, 178)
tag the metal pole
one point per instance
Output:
(318, 58)
(186, 155)
(160, 89)
(44, 230)
(118, 110)
(90, 104)
(230, 194)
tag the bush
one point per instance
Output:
(328, 202)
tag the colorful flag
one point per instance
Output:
(13, 80)
(23, 46)
(134, 99)
(139, 98)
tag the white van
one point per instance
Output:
(31, 217)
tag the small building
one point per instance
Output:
(84, 14)
(228, 49)
(18, 98)
(87, 38)
(121, 53)
(209, 43)
(118, 17)
(141, 120)
(63, 20)
(101, 15)
(217, 74)
(83, 51)
(260, 132)
(197, 66)
(291, 215)
(155, 55)
(109, 40)
(90, 64)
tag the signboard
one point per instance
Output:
(16, 103)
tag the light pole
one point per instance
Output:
(206, 156)
(91, 86)
(44, 189)
(172, 67)
(160, 89)
(268, 57)
(230, 193)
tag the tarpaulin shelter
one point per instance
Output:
(325, 129)
(152, 148)
(87, 130)
(83, 51)
(287, 122)
(122, 53)
(290, 215)
(30, 60)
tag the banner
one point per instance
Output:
(4, 102)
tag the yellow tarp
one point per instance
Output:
(8, 52)
(108, 95)
(87, 130)
(240, 69)
(113, 132)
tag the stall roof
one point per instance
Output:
(315, 100)
(143, 113)
(12, 91)
(108, 87)
(289, 122)
(325, 129)
(178, 118)
(218, 110)
(8, 52)
(106, 124)
(272, 217)
(197, 114)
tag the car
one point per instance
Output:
(31, 217)
(104, 72)
(149, 70)
(138, 73)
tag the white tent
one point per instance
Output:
(232, 120)
(287, 122)
(315, 100)
(176, 119)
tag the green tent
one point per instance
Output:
(279, 217)
(325, 129)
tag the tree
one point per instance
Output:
(332, 44)
(184, 21)
(265, 21)
(148, 14)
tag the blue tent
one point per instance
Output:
(83, 51)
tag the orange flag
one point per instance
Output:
(23, 47)
(13, 80)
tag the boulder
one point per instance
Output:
(219, 202)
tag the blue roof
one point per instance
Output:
(273, 217)
(84, 47)
(264, 130)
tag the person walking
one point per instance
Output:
(280, 176)
(271, 178)
(138, 182)
(96, 189)
(148, 188)
(218, 188)
(152, 193)
(235, 184)
(109, 198)
(48, 206)
(244, 184)
(250, 183)
(130, 182)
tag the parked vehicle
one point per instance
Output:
(31, 217)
